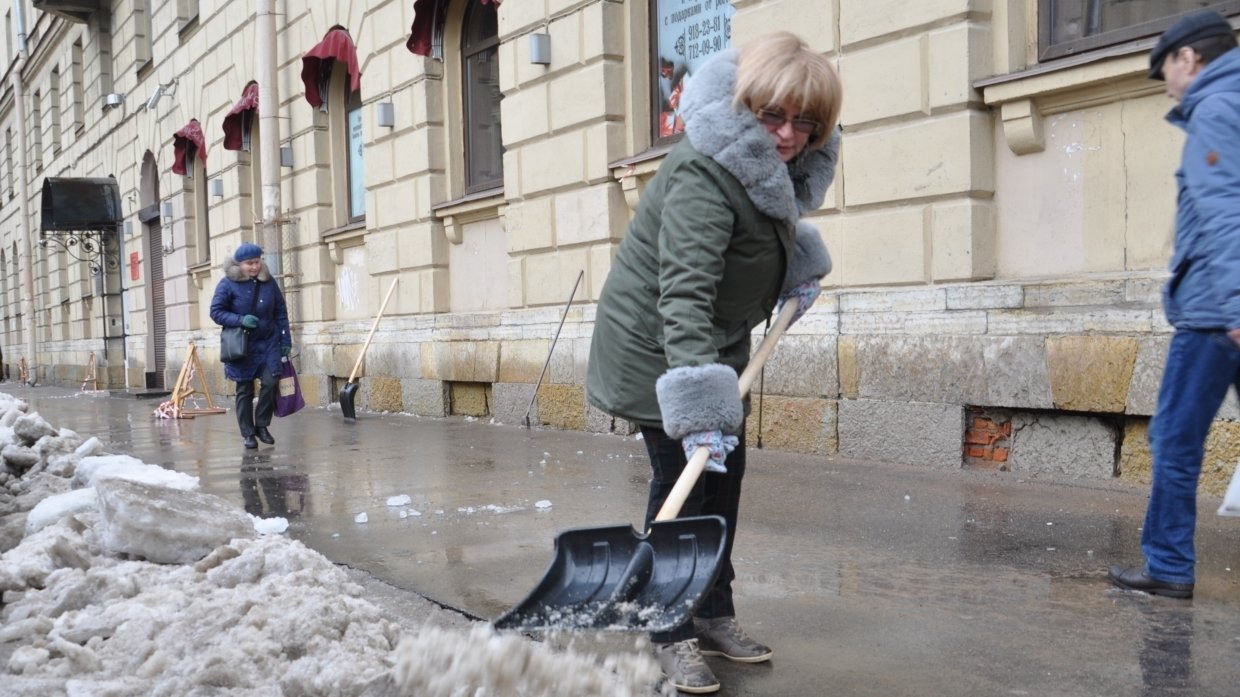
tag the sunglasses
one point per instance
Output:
(774, 118)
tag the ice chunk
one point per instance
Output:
(361, 517)
(31, 427)
(90, 469)
(542, 505)
(57, 506)
(269, 526)
(163, 524)
(397, 501)
(92, 446)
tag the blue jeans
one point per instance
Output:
(714, 494)
(1201, 365)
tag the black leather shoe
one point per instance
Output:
(1134, 578)
(265, 436)
(250, 443)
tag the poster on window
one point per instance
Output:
(688, 33)
(357, 178)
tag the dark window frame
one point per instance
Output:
(652, 73)
(692, 46)
(1049, 51)
(353, 105)
(474, 183)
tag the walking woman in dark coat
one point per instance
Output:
(248, 297)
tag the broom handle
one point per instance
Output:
(567, 307)
(697, 463)
(373, 327)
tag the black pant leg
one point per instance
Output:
(266, 399)
(712, 494)
(722, 497)
(245, 407)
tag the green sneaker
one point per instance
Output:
(723, 636)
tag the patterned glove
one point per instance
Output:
(249, 321)
(285, 351)
(804, 293)
(718, 444)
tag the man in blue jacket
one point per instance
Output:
(1199, 61)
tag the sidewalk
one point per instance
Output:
(867, 578)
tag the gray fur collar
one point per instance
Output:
(233, 271)
(743, 147)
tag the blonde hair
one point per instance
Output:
(780, 66)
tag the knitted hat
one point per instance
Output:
(247, 250)
(1191, 29)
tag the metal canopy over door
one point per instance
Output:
(82, 216)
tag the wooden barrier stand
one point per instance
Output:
(175, 407)
(90, 378)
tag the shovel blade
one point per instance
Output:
(617, 579)
(346, 400)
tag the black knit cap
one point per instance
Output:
(1190, 29)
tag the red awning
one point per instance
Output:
(427, 17)
(316, 65)
(425, 13)
(239, 118)
(188, 140)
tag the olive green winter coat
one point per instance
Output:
(714, 242)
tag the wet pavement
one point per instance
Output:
(866, 578)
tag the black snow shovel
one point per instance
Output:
(350, 388)
(615, 578)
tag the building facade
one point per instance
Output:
(999, 224)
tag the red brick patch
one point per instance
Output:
(986, 440)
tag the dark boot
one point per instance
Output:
(250, 443)
(1134, 578)
(265, 436)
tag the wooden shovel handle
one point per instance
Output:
(697, 463)
(371, 335)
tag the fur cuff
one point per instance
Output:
(700, 398)
(810, 260)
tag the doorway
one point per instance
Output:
(153, 251)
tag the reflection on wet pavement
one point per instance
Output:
(270, 493)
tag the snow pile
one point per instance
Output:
(121, 578)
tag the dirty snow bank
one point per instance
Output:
(88, 610)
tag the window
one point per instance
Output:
(54, 106)
(78, 105)
(333, 84)
(196, 175)
(348, 147)
(36, 132)
(189, 159)
(187, 14)
(8, 163)
(143, 40)
(4, 296)
(355, 149)
(683, 36)
(251, 138)
(102, 57)
(484, 146)
(1067, 27)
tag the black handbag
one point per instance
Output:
(235, 341)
